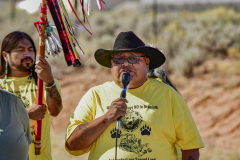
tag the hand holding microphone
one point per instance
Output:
(118, 107)
(125, 82)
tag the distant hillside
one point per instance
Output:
(187, 1)
(167, 5)
(109, 4)
(193, 7)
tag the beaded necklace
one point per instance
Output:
(29, 80)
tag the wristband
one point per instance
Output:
(50, 86)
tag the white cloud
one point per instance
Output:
(31, 6)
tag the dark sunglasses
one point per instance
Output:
(131, 59)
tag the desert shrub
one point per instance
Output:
(191, 38)
(218, 31)
(218, 39)
(180, 51)
(105, 42)
(101, 26)
(173, 36)
(184, 62)
(144, 28)
(218, 15)
(186, 38)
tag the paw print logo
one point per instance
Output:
(113, 133)
(145, 130)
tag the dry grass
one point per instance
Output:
(58, 147)
(230, 67)
(216, 153)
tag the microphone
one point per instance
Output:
(125, 82)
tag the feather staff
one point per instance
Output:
(40, 25)
(53, 46)
(65, 32)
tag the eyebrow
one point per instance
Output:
(119, 54)
(20, 47)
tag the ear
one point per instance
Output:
(5, 54)
(147, 60)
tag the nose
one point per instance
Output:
(28, 53)
(125, 63)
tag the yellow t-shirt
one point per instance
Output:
(179, 151)
(157, 118)
(27, 93)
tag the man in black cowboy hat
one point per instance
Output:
(155, 118)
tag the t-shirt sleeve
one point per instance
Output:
(188, 136)
(24, 119)
(84, 113)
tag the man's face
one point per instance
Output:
(137, 71)
(22, 57)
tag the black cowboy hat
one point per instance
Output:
(129, 42)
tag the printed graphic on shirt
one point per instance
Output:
(131, 121)
(113, 133)
(145, 130)
(129, 142)
(23, 99)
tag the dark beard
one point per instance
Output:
(23, 68)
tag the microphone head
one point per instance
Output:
(125, 79)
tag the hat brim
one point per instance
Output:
(156, 57)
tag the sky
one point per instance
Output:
(31, 6)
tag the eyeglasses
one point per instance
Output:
(131, 59)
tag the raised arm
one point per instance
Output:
(86, 134)
(53, 99)
(192, 154)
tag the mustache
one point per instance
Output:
(26, 59)
(126, 68)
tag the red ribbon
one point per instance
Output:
(101, 4)
(43, 10)
(37, 26)
(77, 16)
(85, 13)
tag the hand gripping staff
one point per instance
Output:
(125, 82)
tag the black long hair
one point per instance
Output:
(9, 43)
